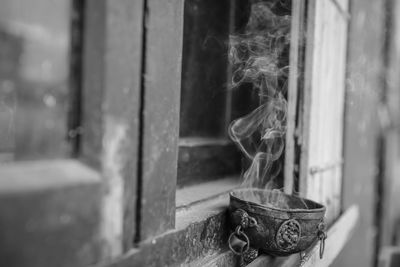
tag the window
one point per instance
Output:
(35, 74)
(141, 91)
(210, 97)
(205, 151)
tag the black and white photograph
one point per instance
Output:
(199, 133)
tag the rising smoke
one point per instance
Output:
(259, 57)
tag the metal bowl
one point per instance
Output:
(288, 225)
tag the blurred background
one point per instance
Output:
(120, 120)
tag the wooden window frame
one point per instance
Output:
(130, 113)
(111, 78)
(208, 215)
(110, 113)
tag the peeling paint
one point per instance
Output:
(112, 210)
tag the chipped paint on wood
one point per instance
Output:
(111, 107)
(113, 162)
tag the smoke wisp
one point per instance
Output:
(259, 57)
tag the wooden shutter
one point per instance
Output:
(321, 154)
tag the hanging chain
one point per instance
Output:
(321, 236)
(246, 253)
(238, 233)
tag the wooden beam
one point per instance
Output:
(339, 233)
(305, 100)
(111, 101)
(295, 85)
(160, 111)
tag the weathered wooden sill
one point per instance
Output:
(50, 213)
(200, 232)
(180, 246)
(202, 229)
(338, 234)
(191, 195)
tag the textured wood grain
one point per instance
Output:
(201, 231)
(321, 179)
(162, 76)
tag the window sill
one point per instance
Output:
(341, 230)
(39, 176)
(43, 202)
(202, 229)
(191, 195)
(200, 232)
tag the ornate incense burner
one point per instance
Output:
(289, 225)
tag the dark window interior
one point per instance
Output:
(208, 103)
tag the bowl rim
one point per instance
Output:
(321, 208)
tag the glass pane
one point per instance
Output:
(204, 68)
(34, 76)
